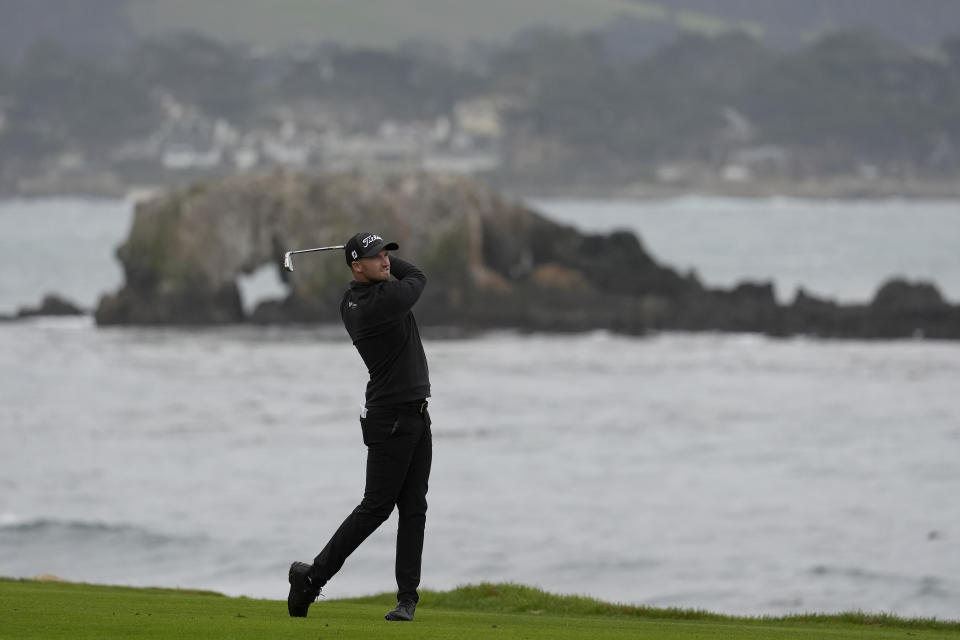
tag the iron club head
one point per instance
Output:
(288, 256)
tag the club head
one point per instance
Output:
(288, 261)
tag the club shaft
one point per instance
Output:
(288, 256)
(336, 246)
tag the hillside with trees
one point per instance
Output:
(550, 111)
(458, 26)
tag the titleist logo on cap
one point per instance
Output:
(365, 245)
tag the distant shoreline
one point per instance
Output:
(834, 189)
(840, 188)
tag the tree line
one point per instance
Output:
(572, 107)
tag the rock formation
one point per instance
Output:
(51, 305)
(489, 262)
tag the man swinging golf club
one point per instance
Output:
(376, 311)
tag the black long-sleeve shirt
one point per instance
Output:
(379, 318)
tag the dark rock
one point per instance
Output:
(51, 305)
(820, 317)
(898, 296)
(901, 308)
(489, 262)
(201, 306)
(748, 307)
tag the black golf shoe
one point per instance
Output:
(302, 591)
(403, 612)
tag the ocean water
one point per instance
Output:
(841, 249)
(734, 473)
(60, 245)
(838, 249)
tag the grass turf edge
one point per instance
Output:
(505, 597)
(518, 599)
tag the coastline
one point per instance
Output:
(830, 188)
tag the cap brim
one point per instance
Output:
(377, 248)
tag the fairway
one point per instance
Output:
(31, 609)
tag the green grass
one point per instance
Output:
(30, 609)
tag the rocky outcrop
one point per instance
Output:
(490, 263)
(899, 309)
(51, 305)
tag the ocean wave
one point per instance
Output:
(102, 552)
(855, 573)
(922, 586)
(74, 531)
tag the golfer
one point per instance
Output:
(376, 311)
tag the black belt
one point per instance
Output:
(420, 406)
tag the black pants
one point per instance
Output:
(399, 454)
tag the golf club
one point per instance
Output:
(288, 256)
